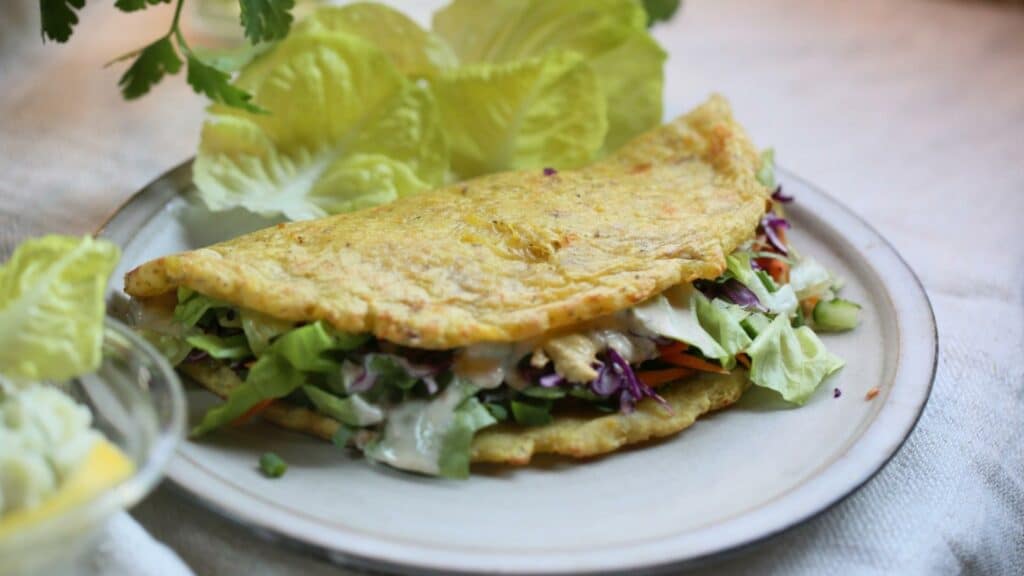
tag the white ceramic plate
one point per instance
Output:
(734, 478)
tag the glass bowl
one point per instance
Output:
(137, 402)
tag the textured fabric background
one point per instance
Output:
(911, 113)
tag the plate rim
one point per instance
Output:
(137, 203)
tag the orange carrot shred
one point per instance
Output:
(252, 412)
(675, 356)
(655, 378)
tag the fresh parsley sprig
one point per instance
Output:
(262, 20)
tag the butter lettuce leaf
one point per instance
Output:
(793, 362)
(533, 113)
(52, 308)
(414, 51)
(345, 130)
(610, 35)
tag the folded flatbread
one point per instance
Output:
(532, 256)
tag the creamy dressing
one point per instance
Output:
(415, 430)
(573, 352)
(44, 437)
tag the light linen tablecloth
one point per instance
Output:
(911, 113)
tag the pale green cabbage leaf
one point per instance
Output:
(345, 130)
(52, 308)
(793, 362)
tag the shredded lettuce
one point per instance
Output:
(228, 348)
(470, 417)
(260, 330)
(793, 362)
(810, 279)
(282, 369)
(781, 301)
(352, 410)
(673, 314)
(723, 322)
(766, 174)
(432, 436)
(193, 306)
(52, 308)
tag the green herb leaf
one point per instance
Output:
(216, 85)
(152, 63)
(530, 414)
(660, 10)
(266, 20)
(766, 174)
(272, 465)
(134, 5)
(59, 18)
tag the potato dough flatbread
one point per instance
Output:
(576, 436)
(504, 257)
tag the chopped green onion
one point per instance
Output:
(272, 465)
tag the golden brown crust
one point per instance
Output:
(575, 436)
(504, 257)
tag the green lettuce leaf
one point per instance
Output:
(793, 362)
(723, 321)
(229, 348)
(351, 411)
(782, 301)
(52, 308)
(261, 329)
(470, 417)
(192, 306)
(414, 51)
(673, 314)
(281, 370)
(766, 174)
(809, 278)
(539, 112)
(432, 436)
(345, 130)
(610, 35)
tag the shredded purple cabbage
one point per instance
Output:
(779, 197)
(617, 376)
(772, 224)
(550, 171)
(551, 380)
(195, 355)
(732, 290)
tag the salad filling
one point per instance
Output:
(418, 409)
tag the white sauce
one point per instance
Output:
(415, 431)
(44, 437)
